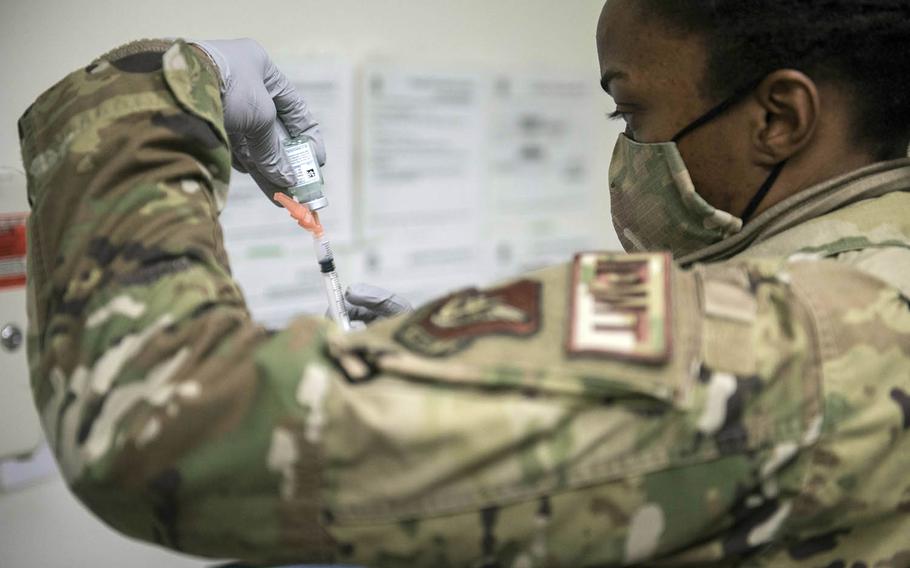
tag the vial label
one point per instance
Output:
(304, 163)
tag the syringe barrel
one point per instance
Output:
(330, 280)
(336, 300)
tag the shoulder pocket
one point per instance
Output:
(730, 314)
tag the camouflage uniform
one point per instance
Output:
(751, 409)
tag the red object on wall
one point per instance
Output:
(12, 250)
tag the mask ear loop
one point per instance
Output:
(718, 110)
(762, 192)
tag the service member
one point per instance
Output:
(743, 403)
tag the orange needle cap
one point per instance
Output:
(305, 218)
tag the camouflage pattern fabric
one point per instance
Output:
(642, 193)
(767, 426)
(823, 218)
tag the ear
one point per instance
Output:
(789, 104)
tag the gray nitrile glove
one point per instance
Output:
(258, 100)
(366, 303)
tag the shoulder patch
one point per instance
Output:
(620, 306)
(451, 324)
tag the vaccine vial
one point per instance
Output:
(310, 188)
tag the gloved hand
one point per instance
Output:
(366, 303)
(258, 99)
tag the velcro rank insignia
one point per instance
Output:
(620, 306)
(451, 324)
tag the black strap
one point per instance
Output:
(762, 192)
(723, 107)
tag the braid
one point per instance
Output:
(862, 45)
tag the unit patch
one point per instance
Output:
(451, 324)
(620, 306)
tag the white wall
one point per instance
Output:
(42, 40)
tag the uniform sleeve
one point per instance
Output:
(619, 411)
(609, 411)
(173, 416)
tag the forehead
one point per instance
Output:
(639, 45)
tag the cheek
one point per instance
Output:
(717, 162)
(657, 124)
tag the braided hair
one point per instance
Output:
(863, 46)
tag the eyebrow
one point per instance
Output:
(610, 75)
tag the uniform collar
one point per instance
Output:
(865, 183)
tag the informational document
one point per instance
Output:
(423, 271)
(450, 178)
(422, 165)
(422, 138)
(539, 187)
(271, 257)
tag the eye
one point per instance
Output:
(618, 115)
(626, 117)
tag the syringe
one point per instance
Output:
(309, 220)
